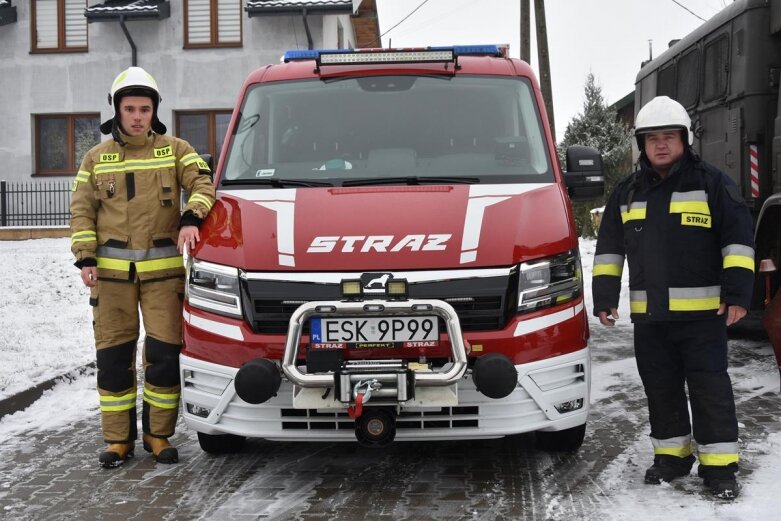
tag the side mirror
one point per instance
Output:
(585, 177)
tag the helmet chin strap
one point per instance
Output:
(115, 133)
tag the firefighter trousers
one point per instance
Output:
(672, 356)
(115, 306)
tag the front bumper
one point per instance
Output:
(211, 406)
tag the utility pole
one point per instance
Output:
(525, 32)
(544, 63)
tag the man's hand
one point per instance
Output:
(188, 238)
(734, 313)
(608, 320)
(89, 276)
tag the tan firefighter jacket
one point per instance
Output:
(125, 205)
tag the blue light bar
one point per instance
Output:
(473, 50)
(301, 55)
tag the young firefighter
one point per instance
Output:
(687, 237)
(128, 235)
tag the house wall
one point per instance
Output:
(188, 79)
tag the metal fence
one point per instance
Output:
(35, 204)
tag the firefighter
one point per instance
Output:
(686, 234)
(128, 234)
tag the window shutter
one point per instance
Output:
(228, 21)
(75, 23)
(199, 21)
(46, 24)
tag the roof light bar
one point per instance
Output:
(347, 58)
(379, 56)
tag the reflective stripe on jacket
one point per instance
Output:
(687, 239)
(125, 205)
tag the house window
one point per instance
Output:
(204, 130)
(212, 23)
(61, 140)
(58, 25)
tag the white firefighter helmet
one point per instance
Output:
(132, 81)
(662, 113)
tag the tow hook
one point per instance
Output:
(362, 393)
(376, 427)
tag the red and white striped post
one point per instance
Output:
(754, 162)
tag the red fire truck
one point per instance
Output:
(392, 255)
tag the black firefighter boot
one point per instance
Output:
(667, 468)
(720, 481)
(115, 455)
(161, 450)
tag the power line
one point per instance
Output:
(424, 2)
(676, 2)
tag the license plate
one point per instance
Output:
(374, 332)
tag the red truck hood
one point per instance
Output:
(387, 227)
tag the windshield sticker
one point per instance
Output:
(265, 172)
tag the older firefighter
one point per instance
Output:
(128, 234)
(687, 237)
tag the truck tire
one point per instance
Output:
(221, 443)
(568, 440)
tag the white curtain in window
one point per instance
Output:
(75, 23)
(46, 24)
(228, 21)
(199, 21)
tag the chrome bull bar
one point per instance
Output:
(368, 308)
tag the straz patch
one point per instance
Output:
(164, 151)
(696, 219)
(328, 346)
(109, 158)
(202, 165)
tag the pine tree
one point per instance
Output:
(598, 126)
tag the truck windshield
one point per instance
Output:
(403, 129)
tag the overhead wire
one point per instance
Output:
(379, 39)
(676, 2)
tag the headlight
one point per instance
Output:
(213, 287)
(549, 282)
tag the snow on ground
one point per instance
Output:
(45, 318)
(45, 331)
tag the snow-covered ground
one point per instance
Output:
(45, 331)
(45, 318)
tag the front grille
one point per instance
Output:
(444, 418)
(482, 304)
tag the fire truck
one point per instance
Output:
(392, 255)
(727, 73)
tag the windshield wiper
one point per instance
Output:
(274, 182)
(410, 180)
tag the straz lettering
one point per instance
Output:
(695, 219)
(379, 243)
(429, 343)
(329, 345)
(164, 151)
(109, 158)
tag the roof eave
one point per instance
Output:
(161, 11)
(282, 10)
